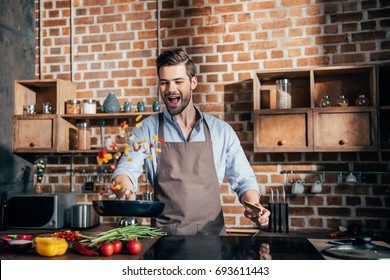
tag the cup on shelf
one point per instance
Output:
(297, 187)
(30, 109)
(316, 187)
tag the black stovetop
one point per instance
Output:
(200, 247)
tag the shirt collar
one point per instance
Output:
(172, 119)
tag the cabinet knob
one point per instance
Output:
(281, 142)
(32, 144)
(343, 141)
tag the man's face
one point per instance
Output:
(176, 88)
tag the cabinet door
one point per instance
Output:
(349, 129)
(33, 135)
(283, 130)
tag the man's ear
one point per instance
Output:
(194, 82)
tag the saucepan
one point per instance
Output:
(126, 208)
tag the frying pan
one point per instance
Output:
(126, 208)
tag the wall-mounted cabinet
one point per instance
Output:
(34, 130)
(54, 131)
(307, 126)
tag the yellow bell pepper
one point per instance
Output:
(51, 246)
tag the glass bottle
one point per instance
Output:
(342, 101)
(325, 101)
(362, 100)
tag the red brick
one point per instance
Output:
(334, 212)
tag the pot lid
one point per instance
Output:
(355, 252)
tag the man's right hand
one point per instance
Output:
(126, 192)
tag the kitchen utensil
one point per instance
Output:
(125, 208)
(102, 124)
(84, 216)
(255, 208)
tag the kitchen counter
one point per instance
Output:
(240, 244)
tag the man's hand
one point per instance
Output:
(262, 217)
(126, 192)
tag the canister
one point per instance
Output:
(83, 136)
(283, 94)
(89, 106)
(73, 107)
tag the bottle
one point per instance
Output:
(362, 101)
(83, 136)
(325, 101)
(342, 101)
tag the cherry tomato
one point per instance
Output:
(117, 246)
(6, 237)
(134, 247)
(24, 237)
(107, 249)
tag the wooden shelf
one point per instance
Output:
(308, 127)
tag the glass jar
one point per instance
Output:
(73, 107)
(83, 136)
(362, 100)
(342, 101)
(283, 94)
(89, 106)
(325, 101)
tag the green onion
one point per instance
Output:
(123, 233)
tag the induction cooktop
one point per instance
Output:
(200, 247)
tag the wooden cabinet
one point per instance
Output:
(41, 132)
(308, 127)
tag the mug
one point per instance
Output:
(156, 106)
(46, 108)
(141, 106)
(316, 187)
(351, 178)
(127, 107)
(297, 187)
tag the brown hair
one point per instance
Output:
(174, 57)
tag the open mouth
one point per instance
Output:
(173, 100)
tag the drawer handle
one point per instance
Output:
(281, 142)
(343, 142)
(32, 144)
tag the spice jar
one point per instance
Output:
(325, 101)
(83, 136)
(89, 106)
(362, 101)
(342, 101)
(73, 107)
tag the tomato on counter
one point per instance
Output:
(134, 247)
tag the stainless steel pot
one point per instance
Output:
(84, 216)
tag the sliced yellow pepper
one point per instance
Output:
(51, 246)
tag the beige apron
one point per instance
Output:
(187, 183)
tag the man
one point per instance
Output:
(199, 150)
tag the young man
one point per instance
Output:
(199, 150)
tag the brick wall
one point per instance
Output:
(110, 45)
